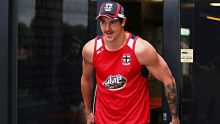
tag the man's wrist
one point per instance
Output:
(174, 115)
(87, 111)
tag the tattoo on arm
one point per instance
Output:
(171, 95)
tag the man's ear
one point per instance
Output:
(123, 22)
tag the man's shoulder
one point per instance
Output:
(144, 50)
(143, 45)
(88, 48)
(89, 44)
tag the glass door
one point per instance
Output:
(145, 19)
(50, 36)
(200, 40)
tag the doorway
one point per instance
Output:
(145, 19)
(200, 24)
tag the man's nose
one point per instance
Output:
(108, 26)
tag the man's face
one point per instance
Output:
(111, 28)
(74, 49)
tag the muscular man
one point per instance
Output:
(116, 58)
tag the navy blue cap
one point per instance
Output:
(112, 10)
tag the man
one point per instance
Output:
(116, 58)
(69, 75)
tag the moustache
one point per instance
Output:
(109, 32)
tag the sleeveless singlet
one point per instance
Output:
(122, 92)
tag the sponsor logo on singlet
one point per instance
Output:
(115, 82)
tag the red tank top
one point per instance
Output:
(122, 92)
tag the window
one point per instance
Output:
(51, 34)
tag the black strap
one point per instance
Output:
(133, 36)
(99, 37)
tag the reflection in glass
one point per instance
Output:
(200, 79)
(26, 11)
(50, 37)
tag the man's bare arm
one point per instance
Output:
(87, 79)
(171, 95)
(156, 65)
(87, 86)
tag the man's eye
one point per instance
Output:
(102, 22)
(113, 21)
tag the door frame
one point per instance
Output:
(4, 13)
(8, 69)
(171, 49)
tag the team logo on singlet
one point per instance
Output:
(115, 82)
(126, 59)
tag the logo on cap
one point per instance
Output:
(113, 10)
(108, 7)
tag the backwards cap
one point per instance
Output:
(112, 10)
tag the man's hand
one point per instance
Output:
(175, 121)
(171, 95)
(90, 118)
